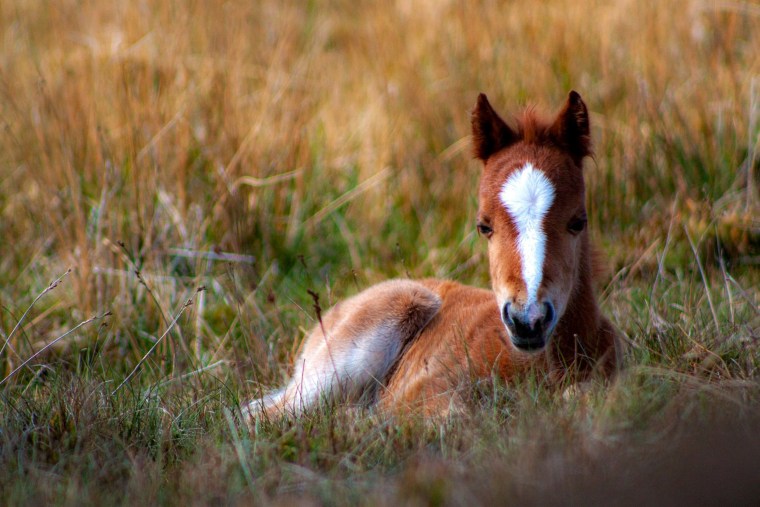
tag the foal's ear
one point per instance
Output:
(571, 128)
(489, 132)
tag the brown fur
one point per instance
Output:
(415, 344)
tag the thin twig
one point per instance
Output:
(138, 273)
(250, 181)
(318, 311)
(166, 128)
(137, 270)
(189, 302)
(704, 279)
(43, 349)
(50, 287)
(211, 255)
(346, 198)
(744, 294)
(653, 315)
(195, 372)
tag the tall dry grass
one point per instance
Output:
(260, 149)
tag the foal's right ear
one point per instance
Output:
(571, 128)
(489, 132)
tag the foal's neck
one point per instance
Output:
(578, 342)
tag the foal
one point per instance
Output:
(414, 344)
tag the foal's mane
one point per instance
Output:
(535, 128)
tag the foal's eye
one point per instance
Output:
(577, 225)
(485, 230)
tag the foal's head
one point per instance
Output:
(532, 212)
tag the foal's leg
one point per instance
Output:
(354, 346)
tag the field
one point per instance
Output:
(176, 176)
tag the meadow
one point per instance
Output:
(177, 176)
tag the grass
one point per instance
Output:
(200, 166)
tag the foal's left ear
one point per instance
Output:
(571, 128)
(489, 132)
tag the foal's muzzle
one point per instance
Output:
(529, 326)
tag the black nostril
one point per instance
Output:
(549, 313)
(508, 314)
(526, 329)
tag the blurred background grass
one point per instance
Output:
(263, 149)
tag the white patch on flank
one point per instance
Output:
(528, 194)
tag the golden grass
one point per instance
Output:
(261, 149)
(329, 141)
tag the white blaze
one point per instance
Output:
(528, 194)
